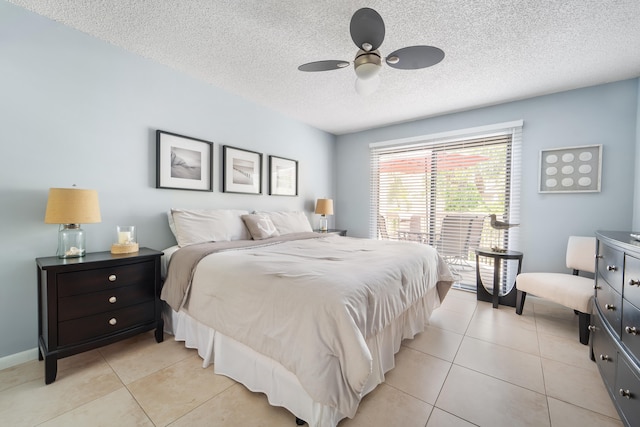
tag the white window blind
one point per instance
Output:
(441, 190)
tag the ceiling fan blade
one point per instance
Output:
(367, 26)
(323, 65)
(415, 57)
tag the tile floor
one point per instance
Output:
(472, 366)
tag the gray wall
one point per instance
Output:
(605, 114)
(76, 110)
(636, 204)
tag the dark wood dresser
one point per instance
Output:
(101, 298)
(615, 329)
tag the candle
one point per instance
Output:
(124, 237)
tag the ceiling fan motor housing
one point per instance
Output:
(367, 64)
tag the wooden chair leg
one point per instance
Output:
(583, 320)
(520, 297)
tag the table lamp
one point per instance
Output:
(71, 207)
(324, 207)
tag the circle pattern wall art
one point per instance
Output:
(571, 169)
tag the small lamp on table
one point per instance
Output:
(324, 207)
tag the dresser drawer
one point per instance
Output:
(610, 303)
(86, 281)
(627, 392)
(610, 266)
(632, 279)
(604, 351)
(92, 327)
(630, 332)
(99, 302)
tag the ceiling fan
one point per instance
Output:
(367, 32)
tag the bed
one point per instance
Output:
(311, 320)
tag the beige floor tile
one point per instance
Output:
(566, 350)
(487, 401)
(21, 374)
(566, 415)
(170, 393)
(236, 406)
(504, 315)
(386, 406)
(440, 418)
(560, 327)
(33, 402)
(450, 320)
(510, 365)
(580, 387)
(77, 361)
(436, 342)
(458, 293)
(462, 305)
(505, 333)
(118, 408)
(417, 374)
(141, 355)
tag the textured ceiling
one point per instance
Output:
(495, 51)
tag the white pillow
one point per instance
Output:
(260, 226)
(289, 222)
(208, 225)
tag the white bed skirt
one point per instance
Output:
(262, 374)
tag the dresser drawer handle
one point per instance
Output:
(113, 321)
(610, 307)
(597, 286)
(605, 357)
(631, 330)
(625, 393)
(112, 300)
(634, 282)
(112, 277)
(592, 328)
(612, 267)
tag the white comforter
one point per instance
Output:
(309, 304)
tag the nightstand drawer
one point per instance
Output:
(610, 264)
(86, 281)
(99, 302)
(610, 304)
(632, 279)
(91, 327)
(630, 332)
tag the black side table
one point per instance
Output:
(499, 258)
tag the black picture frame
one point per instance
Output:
(283, 176)
(241, 171)
(183, 162)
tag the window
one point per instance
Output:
(441, 189)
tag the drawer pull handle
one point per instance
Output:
(597, 287)
(612, 267)
(610, 307)
(592, 328)
(113, 300)
(631, 330)
(625, 393)
(599, 256)
(634, 282)
(113, 321)
(605, 357)
(112, 277)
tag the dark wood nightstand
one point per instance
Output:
(333, 231)
(101, 298)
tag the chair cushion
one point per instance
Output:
(575, 292)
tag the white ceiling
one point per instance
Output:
(495, 51)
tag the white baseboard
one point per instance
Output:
(18, 358)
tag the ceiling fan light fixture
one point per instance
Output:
(367, 64)
(342, 64)
(367, 47)
(393, 60)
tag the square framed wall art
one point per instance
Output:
(571, 169)
(241, 171)
(283, 176)
(183, 162)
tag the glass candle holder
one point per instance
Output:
(126, 234)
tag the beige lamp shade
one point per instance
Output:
(72, 206)
(324, 207)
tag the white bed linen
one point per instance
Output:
(262, 374)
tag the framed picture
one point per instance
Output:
(283, 176)
(183, 163)
(571, 169)
(241, 171)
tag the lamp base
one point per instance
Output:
(324, 224)
(71, 241)
(124, 248)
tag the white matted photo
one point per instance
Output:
(183, 162)
(283, 176)
(241, 171)
(571, 169)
